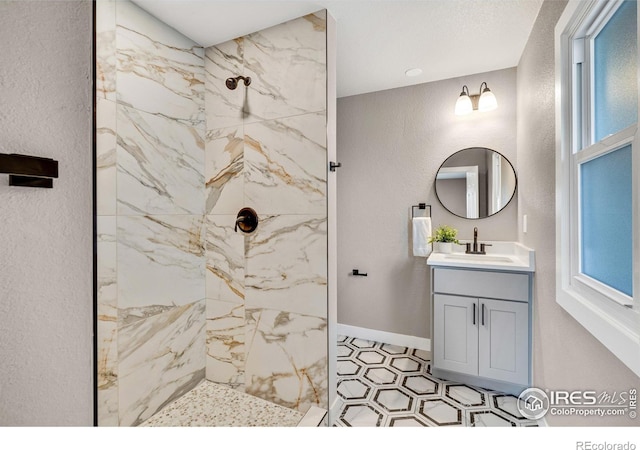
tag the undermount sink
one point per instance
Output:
(477, 258)
(501, 255)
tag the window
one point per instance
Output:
(597, 172)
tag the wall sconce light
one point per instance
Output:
(485, 101)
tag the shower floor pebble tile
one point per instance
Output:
(213, 405)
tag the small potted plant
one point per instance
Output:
(444, 238)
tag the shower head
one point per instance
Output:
(232, 83)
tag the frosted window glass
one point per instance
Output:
(615, 72)
(606, 233)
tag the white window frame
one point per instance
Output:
(609, 315)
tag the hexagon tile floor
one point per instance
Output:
(382, 385)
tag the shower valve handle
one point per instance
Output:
(247, 220)
(240, 219)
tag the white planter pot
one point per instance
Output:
(443, 247)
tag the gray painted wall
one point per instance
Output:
(453, 194)
(391, 144)
(566, 356)
(46, 244)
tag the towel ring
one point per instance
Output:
(420, 206)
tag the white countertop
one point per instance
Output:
(501, 255)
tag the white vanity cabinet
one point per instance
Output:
(482, 327)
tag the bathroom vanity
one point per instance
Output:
(481, 316)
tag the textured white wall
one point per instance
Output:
(391, 144)
(46, 235)
(566, 356)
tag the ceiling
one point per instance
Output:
(378, 40)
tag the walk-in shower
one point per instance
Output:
(212, 236)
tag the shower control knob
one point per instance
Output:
(246, 221)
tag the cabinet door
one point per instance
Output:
(504, 341)
(455, 334)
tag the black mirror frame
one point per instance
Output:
(513, 194)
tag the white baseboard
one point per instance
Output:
(401, 340)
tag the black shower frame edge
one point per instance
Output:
(95, 214)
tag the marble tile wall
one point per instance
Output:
(107, 327)
(284, 162)
(150, 202)
(158, 70)
(160, 164)
(286, 358)
(160, 359)
(287, 63)
(107, 322)
(106, 49)
(181, 294)
(265, 148)
(286, 264)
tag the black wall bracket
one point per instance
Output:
(29, 171)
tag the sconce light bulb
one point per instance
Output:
(463, 105)
(487, 101)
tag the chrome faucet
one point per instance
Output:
(474, 250)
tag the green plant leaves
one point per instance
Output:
(444, 233)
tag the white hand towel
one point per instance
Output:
(421, 235)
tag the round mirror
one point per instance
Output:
(475, 183)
